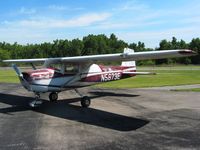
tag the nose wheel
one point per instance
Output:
(53, 97)
(85, 101)
(37, 102)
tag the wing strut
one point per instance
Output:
(33, 66)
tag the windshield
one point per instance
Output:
(65, 68)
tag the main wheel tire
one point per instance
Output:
(85, 101)
(53, 97)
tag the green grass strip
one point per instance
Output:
(163, 78)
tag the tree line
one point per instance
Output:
(96, 44)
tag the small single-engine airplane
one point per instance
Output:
(64, 73)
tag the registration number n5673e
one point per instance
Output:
(110, 76)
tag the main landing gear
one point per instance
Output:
(53, 97)
(85, 100)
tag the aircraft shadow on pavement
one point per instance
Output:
(103, 93)
(66, 110)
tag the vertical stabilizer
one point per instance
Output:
(128, 63)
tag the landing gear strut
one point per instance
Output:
(85, 100)
(36, 102)
(53, 96)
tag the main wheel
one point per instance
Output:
(53, 96)
(85, 101)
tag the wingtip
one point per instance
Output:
(188, 52)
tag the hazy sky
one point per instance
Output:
(36, 21)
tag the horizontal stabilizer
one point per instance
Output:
(140, 73)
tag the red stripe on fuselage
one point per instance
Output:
(109, 73)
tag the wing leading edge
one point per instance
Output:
(111, 57)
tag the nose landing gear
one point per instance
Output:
(36, 102)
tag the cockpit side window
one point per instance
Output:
(71, 68)
(56, 67)
(65, 68)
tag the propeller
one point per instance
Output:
(19, 73)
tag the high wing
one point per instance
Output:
(111, 57)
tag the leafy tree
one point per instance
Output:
(195, 45)
(76, 47)
(90, 45)
(4, 55)
(95, 44)
(133, 46)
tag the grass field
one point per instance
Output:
(165, 76)
(8, 76)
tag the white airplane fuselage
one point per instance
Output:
(53, 80)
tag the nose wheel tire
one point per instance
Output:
(85, 101)
(37, 102)
(53, 97)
